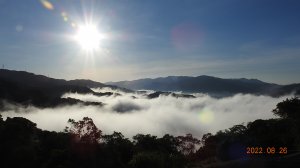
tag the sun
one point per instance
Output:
(88, 37)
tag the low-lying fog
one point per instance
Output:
(131, 113)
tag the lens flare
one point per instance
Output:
(206, 116)
(48, 5)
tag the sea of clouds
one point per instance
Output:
(133, 113)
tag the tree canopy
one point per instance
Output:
(289, 108)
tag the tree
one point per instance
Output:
(120, 147)
(113, 138)
(169, 144)
(208, 149)
(188, 144)
(145, 142)
(289, 108)
(18, 143)
(148, 160)
(84, 131)
(1, 120)
(238, 129)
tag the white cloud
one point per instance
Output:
(166, 114)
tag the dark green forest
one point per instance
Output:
(82, 145)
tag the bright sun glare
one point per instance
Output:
(88, 37)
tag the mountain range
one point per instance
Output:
(30, 89)
(210, 85)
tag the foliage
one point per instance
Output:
(231, 143)
(84, 130)
(83, 145)
(289, 108)
(147, 160)
(187, 144)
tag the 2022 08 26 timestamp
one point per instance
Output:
(266, 150)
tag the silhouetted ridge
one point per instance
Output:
(31, 89)
(210, 85)
(93, 84)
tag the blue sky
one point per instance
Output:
(153, 38)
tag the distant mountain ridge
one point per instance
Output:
(28, 88)
(210, 85)
(93, 84)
